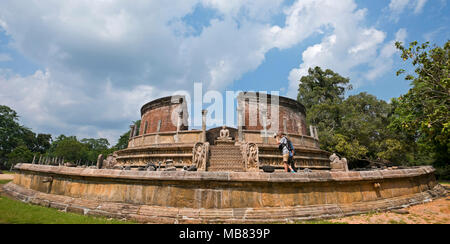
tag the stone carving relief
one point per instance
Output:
(250, 153)
(200, 155)
(338, 164)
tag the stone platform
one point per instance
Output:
(221, 197)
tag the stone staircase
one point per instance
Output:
(225, 157)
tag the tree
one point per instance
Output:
(423, 114)
(356, 127)
(320, 87)
(20, 154)
(96, 147)
(43, 143)
(70, 149)
(123, 141)
(10, 131)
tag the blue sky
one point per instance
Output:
(85, 68)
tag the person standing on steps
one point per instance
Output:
(287, 150)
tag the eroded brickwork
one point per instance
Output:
(162, 115)
(288, 115)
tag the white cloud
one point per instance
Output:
(384, 61)
(349, 45)
(49, 105)
(397, 7)
(5, 57)
(419, 6)
(102, 60)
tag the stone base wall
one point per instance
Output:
(198, 197)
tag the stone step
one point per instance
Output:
(225, 157)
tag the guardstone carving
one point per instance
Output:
(200, 155)
(250, 154)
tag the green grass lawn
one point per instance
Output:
(17, 212)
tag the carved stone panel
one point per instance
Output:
(200, 155)
(250, 154)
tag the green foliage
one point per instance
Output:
(70, 149)
(413, 129)
(123, 141)
(322, 87)
(19, 144)
(13, 135)
(96, 147)
(423, 114)
(9, 132)
(350, 148)
(351, 127)
(20, 154)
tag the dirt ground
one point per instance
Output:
(434, 212)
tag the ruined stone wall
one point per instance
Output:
(195, 197)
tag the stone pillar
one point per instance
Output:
(300, 127)
(136, 131)
(204, 113)
(132, 131)
(311, 131)
(316, 135)
(240, 113)
(264, 122)
(180, 117)
(158, 128)
(34, 159)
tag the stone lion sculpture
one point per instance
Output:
(338, 164)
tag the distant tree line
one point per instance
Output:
(413, 129)
(19, 144)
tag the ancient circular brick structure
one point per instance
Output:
(163, 135)
(282, 114)
(161, 115)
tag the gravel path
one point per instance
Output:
(434, 212)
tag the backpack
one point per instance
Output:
(289, 145)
